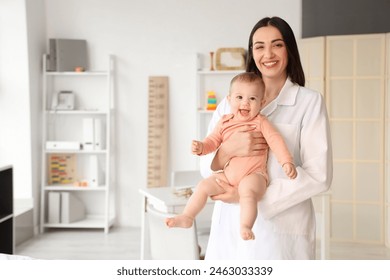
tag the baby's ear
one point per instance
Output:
(228, 97)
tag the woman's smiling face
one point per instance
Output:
(270, 52)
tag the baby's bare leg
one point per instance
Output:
(251, 189)
(207, 187)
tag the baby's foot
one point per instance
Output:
(182, 221)
(247, 233)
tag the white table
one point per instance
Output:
(164, 199)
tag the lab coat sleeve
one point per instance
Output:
(276, 142)
(315, 169)
(206, 160)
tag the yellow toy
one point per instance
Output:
(211, 100)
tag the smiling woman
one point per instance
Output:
(285, 227)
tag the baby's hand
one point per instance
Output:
(290, 170)
(197, 147)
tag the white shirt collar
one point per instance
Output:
(286, 97)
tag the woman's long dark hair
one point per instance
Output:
(294, 66)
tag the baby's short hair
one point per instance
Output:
(247, 77)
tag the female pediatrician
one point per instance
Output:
(285, 227)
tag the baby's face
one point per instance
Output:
(245, 99)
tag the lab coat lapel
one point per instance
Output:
(286, 97)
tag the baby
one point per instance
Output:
(248, 174)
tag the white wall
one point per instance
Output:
(36, 40)
(157, 38)
(15, 126)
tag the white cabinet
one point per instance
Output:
(355, 83)
(77, 149)
(352, 71)
(217, 82)
(387, 142)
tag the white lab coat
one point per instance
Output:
(285, 226)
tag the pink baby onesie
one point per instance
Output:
(239, 167)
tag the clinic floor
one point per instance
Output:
(123, 244)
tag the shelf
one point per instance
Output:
(202, 111)
(92, 221)
(23, 205)
(75, 151)
(87, 73)
(219, 72)
(5, 217)
(76, 112)
(73, 188)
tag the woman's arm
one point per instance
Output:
(314, 166)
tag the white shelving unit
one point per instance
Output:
(94, 99)
(219, 83)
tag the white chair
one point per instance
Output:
(190, 178)
(171, 243)
(185, 178)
